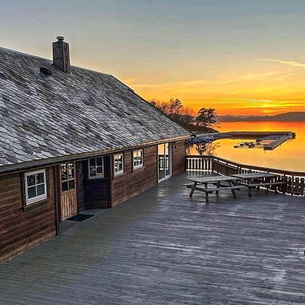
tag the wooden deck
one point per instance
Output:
(166, 248)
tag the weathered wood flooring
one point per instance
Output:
(163, 247)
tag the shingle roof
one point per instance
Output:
(66, 114)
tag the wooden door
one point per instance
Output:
(68, 195)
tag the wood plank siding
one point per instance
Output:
(133, 182)
(178, 157)
(23, 227)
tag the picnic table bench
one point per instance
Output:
(256, 180)
(210, 184)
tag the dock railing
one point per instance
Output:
(211, 164)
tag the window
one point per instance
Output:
(96, 168)
(35, 186)
(137, 158)
(118, 164)
(67, 176)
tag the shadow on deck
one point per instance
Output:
(164, 247)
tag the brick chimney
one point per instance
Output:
(61, 56)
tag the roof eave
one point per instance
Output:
(78, 157)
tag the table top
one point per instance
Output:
(211, 179)
(254, 175)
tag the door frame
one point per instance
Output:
(167, 157)
(68, 190)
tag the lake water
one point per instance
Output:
(288, 156)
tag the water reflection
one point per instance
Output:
(288, 156)
(203, 149)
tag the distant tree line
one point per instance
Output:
(202, 121)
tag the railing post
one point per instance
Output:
(292, 185)
(219, 165)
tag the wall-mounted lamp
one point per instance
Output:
(175, 145)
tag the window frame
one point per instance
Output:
(68, 179)
(121, 171)
(141, 157)
(96, 166)
(38, 198)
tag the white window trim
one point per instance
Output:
(96, 177)
(116, 173)
(142, 157)
(40, 197)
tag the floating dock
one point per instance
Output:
(278, 141)
(267, 140)
(259, 134)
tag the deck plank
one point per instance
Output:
(164, 247)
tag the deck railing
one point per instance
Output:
(212, 164)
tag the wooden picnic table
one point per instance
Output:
(210, 184)
(256, 180)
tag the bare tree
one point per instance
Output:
(185, 116)
(207, 117)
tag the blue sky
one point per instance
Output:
(237, 56)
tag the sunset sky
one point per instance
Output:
(237, 56)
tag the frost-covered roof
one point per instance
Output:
(68, 114)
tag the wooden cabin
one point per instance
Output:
(72, 139)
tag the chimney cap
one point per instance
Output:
(60, 38)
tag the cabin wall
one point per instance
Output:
(133, 182)
(23, 227)
(179, 152)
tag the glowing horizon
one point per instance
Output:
(239, 57)
(267, 92)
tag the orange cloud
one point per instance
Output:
(285, 62)
(252, 92)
